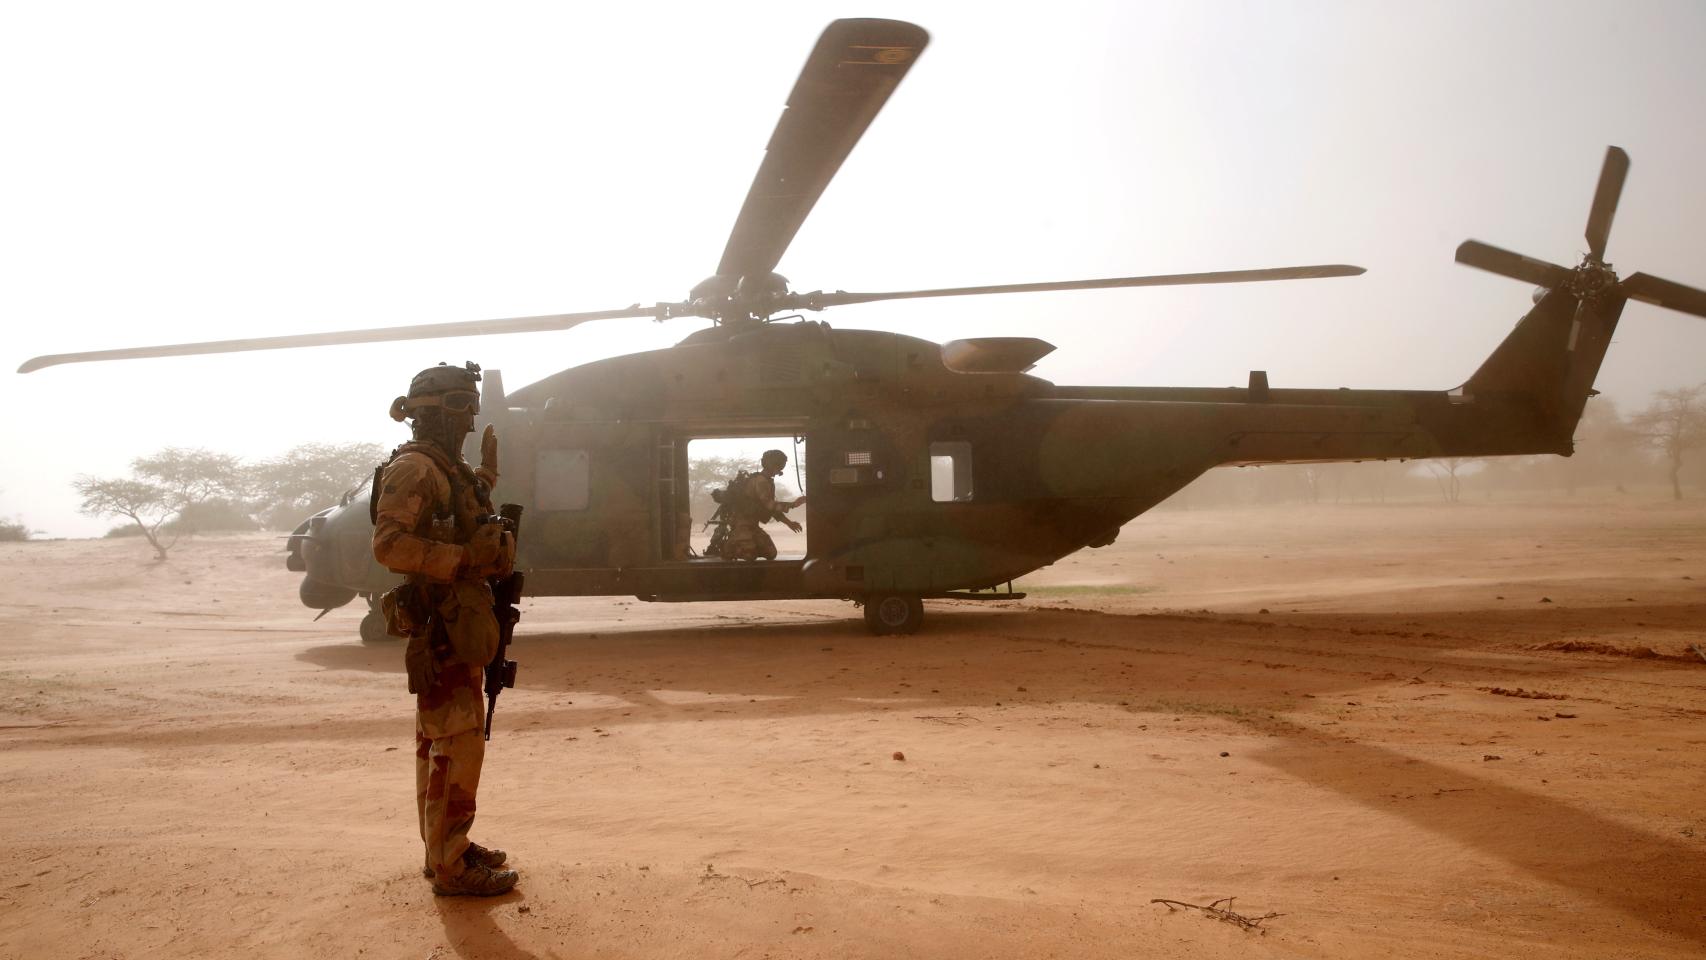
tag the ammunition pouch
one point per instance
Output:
(406, 609)
(465, 622)
(408, 613)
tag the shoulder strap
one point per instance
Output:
(378, 475)
(432, 453)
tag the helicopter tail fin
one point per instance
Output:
(1548, 363)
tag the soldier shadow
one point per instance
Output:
(355, 655)
(472, 931)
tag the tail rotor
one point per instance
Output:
(1593, 283)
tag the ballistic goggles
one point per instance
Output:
(458, 401)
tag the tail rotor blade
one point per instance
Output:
(1487, 257)
(1605, 196)
(1665, 293)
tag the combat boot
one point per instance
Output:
(486, 855)
(475, 880)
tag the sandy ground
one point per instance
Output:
(1299, 709)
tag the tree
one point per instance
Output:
(1674, 424)
(708, 473)
(14, 530)
(1445, 472)
(308, 478)
(143, 502)
(162, 487)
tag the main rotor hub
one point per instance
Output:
(1592, 279)
(746, 299)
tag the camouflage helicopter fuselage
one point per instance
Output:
(1025, 471)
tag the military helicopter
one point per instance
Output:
(934, 470)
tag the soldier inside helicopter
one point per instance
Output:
(743, 505)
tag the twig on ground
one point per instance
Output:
(958, 719)
(1223, 914)
(712, 874)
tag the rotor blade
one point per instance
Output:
(819, 300)
(423, 331)
(1474, 253)
(1605, 196)
(846, 80)
(1664, 293)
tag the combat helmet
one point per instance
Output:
(441, 386)
(773, 460)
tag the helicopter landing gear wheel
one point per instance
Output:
(373, 625)
(893, 613)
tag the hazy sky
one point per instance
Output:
(187, 171)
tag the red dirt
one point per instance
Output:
(193, 768)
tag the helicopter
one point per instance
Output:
(934, 470)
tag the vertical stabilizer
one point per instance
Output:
(1549, 362)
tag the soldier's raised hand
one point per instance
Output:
(488, 468)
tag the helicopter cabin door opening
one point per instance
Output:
(708, 464)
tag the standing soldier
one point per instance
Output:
(427, 503)
(753, 504)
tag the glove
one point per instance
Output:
(488, 468)
(490, 552)
(791, 525)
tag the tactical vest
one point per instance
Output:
(451, 522)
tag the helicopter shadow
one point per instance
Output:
(1654, 880)
(1219, 667)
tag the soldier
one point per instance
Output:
(425, 508)
(752, 503)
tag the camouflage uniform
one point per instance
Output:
(754, 503)
(751, 507)
(424, 518)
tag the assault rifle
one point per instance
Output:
(506, 594)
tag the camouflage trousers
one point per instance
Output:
(748, 541)
(447, 776)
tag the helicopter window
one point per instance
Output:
(950, 471)
(562, 480)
